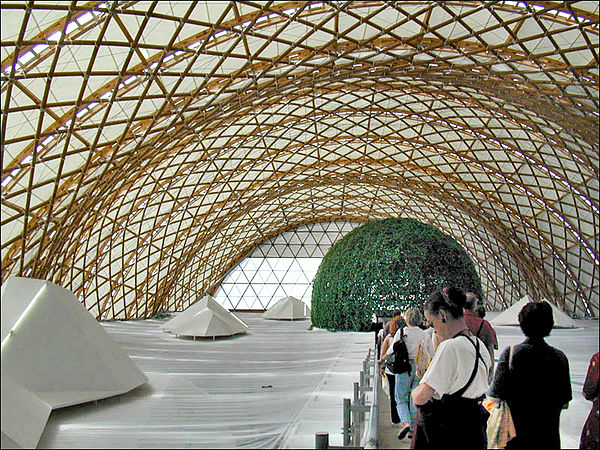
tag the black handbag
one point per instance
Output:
(455, 421)
(399, 361)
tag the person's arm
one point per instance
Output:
(491, 350)
(422, 394)
(382, 355)
(567, 381)
(492, 334)
(500, 382)
(384, 346)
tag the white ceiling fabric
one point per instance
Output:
(151, 145)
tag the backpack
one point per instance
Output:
(399, 362)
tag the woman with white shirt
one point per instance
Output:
(406, 382)
(450, 392)
(386, 372)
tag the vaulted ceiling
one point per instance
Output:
(148, 146)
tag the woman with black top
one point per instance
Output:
(450, 392)
(537, 385)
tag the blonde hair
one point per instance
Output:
(413, 317)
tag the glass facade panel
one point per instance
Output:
(283, 266)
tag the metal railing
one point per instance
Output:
(354, 411)
(370, 440)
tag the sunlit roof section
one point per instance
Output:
(148, 147)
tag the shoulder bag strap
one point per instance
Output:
(461, 391)
(476, 345)
(402, 339)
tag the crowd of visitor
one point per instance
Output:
(443, 395)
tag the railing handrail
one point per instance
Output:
(371, 432)
(354, 412)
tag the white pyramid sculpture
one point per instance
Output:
(511, 315)
(205, 318)
(54, 354)
(561, 320)
(288, 308)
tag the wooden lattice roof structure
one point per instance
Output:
(148, 146)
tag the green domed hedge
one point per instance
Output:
(386, 264)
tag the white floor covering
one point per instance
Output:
(272, 388)
(210, 394)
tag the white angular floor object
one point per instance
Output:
(54, 354)
(24, 415)
(561, 320)
(206, 318)
(511, 315)
(288, 308)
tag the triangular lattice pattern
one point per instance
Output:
(283, 266)
(148, 146)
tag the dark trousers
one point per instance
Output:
(393, 409)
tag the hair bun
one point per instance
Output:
(455, 297)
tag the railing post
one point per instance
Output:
(356, 413)
(371, 435)
(355, 428)
(322, 440)
(346, 418)
(361, 395)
